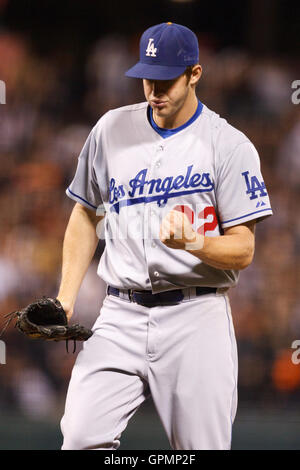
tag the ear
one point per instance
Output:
(196, 74)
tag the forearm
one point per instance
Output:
(224, 252)
(79, 246)
(233, 250)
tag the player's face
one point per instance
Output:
(166, 97)
(173, 101)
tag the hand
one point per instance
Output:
(177, 232)
(68, 307)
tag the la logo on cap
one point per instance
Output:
(151, 50)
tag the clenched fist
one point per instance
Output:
(177, 232)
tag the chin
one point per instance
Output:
(165, 112)
(160, 112)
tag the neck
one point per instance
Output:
(181, 116)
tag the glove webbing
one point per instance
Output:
(12, 315)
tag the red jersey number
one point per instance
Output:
(203, 215)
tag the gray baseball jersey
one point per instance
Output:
(209, 169)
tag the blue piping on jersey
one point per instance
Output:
(243, 216)
(161, 199)
(168, 132)
(79, 197)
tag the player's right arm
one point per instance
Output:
(79, 246)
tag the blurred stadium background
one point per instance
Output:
(63, 65)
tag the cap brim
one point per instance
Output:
(155, 72)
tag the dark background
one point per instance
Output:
(63, 65)
(263, 27)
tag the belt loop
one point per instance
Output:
(193, 294)
(186, 294)
(130, 295)
(189, 293)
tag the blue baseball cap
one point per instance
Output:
(166, 50)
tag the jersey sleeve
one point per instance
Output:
(84, 187)
(240, 190)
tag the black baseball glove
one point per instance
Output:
(46, 319)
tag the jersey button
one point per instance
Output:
(160, 148)
(153, 244)
(156, 273)
(157, 164)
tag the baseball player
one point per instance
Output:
(178, 192)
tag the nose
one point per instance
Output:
(157, 87)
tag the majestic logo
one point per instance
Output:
(151, 50)
(254, 186)
(143, 190)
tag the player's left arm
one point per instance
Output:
(233, 250)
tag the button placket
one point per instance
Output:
(156, 165)
(159, 150)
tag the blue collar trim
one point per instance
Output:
(168, 132)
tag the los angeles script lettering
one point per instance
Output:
(139, 184)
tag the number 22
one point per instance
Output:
(203, 215)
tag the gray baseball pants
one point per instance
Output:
(184, 355)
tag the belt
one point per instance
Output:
(147, 299)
